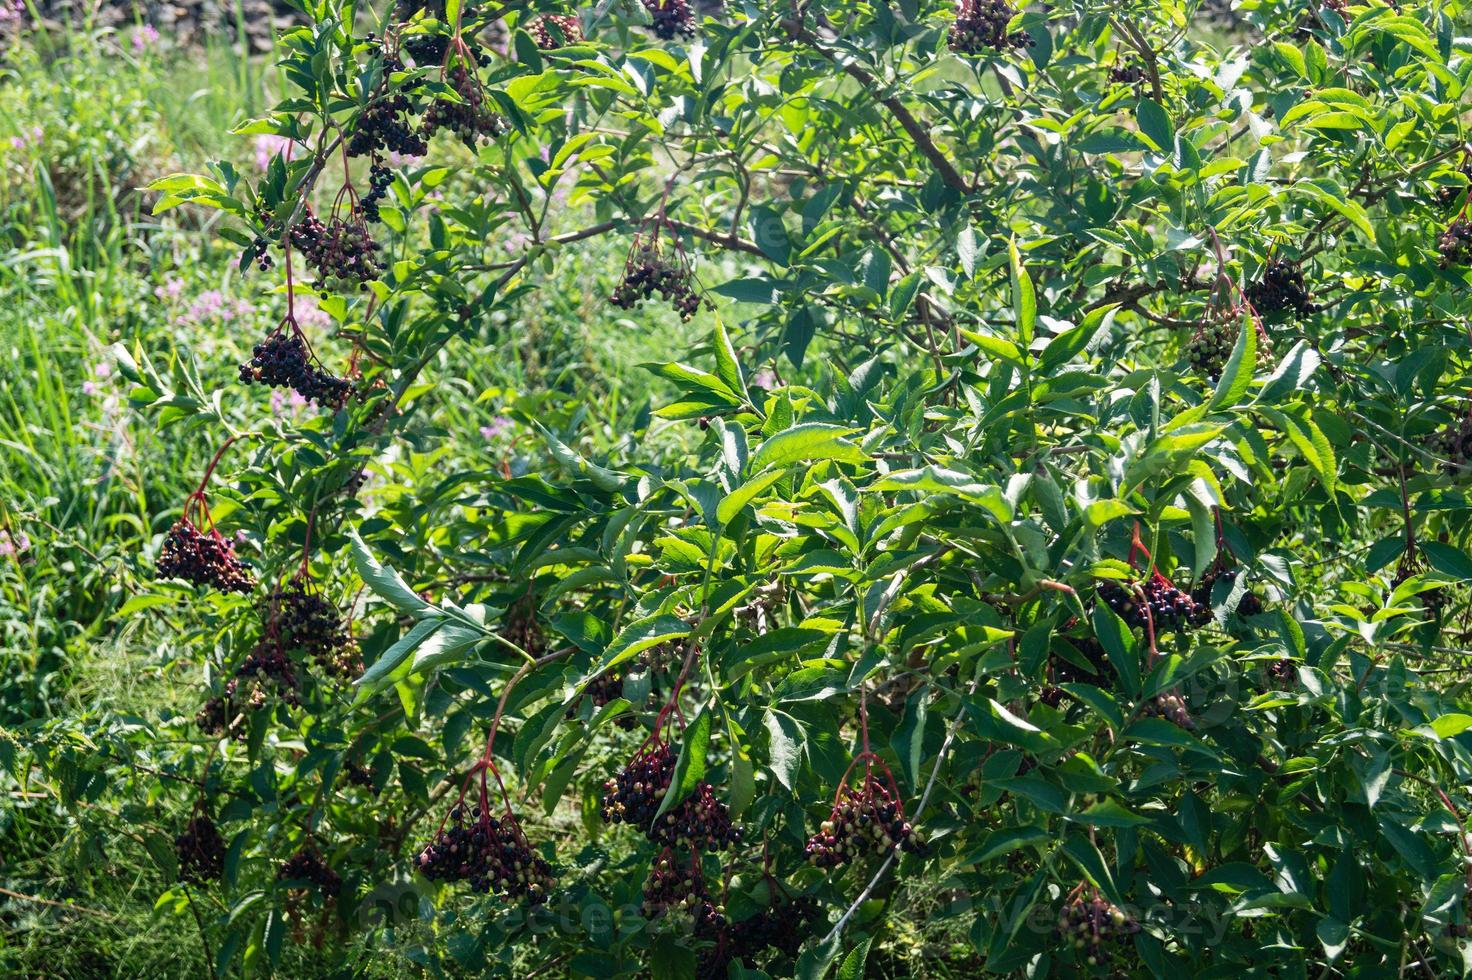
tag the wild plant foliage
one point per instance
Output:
(1068, 504)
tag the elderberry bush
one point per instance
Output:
(202, 558)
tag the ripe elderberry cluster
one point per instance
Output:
(469, 118)
(673, 892)
(1455, 244)
(1281, 290)
(780, 927)
(492, 855)
(633, 796)
(1249, 605)
(339, 249)
(303, 620)
(263, 678)
(307, 866)
(669, 19)
(200, 849)
(1168, 607)
(202, 558)
(648, 272)
(380, 178)
(867, 819)
(283, 361)
(217, 717)
(552, 31)
(981, 25)
(1127, 73)
(1088, 925)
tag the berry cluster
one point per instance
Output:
(981, 25)
(1127, 73)
(307, 866)
(633, 796)
(1432, 600)
(469, 118)
(1282, 672)
(1249, 605)
(202, 558)
(647, 272)
(380, 179)
(1065, 671)
(1281, 290)
(780, 927)
(302, 620)
(264, 677)
(1088, 925)
(1210, 347)
(357, 774)
(676, 893)
(605, 687)
(867, 818)
(214, 718)
(490, 854)
(1171, 707)
(1164, 606)
(385, 124)
(1455, 244)
(340, 249)
(670, 19)
(283, 361)
(552, 31)
(200, 849)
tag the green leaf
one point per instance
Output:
(733, 502)
(638, 636)
(1155, 126)
(1024, 299)
(807, 443)
(377, 676)
(727, 365)
(384, 581)
(690, 767)
(1119, 645)
(1064, 347)
(1237, 375)
(852, 967)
